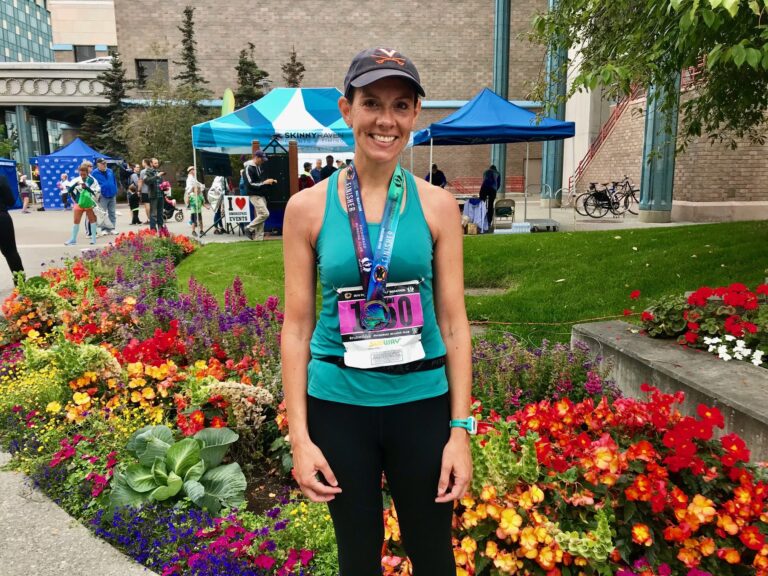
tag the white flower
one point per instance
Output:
(712, 348)
(710, 341)
(737, 355)
(757, 361)
(730, 337)
(739, 343)
(757, 357)
(722, 352)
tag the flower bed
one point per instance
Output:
(145, 412)
(730, 321)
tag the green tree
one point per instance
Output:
(92, 126)
(163, 128)
(251, 80)
(293, 71)
(8, 142)
(190, 78)
(621, 44)
(115, 87)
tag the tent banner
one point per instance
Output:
(51, 168)
(8, 169)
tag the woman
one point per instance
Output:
(372, 388)
(7, 235)
(488, 189)
(63, 186)
(24, 192)
(84, 188)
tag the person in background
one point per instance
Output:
(316, 171)
(340, 164)
(134, 195)
(152, 177)
(436, 177)
(488, 189)
(196, 200)
(328, 169)
(24, 193)
(305, 179)
(107, 199)
(256, 186)
(359, 403)
(63, 186)
(7, 234)
(84, 188)
(146, 163)
(192, 184)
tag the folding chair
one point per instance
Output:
(503, 213)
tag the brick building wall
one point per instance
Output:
(450, 42)
(622, 153)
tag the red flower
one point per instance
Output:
(646, 316)
(217, 422)
(627, 312)
(735, 450)
(762, 289)
(691, 337)
(711, 414)
(634, 295)
(752, 538)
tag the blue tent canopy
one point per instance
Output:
(490, 119)
(308, 115)
(65, 160)
(8, 169)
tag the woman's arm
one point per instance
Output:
(444, 219)
(298, 325)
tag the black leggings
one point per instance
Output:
(8, 244)
(406, 442)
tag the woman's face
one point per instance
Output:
(382, 116)
(83, 173)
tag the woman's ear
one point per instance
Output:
(345, 107)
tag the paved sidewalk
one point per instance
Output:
(37, 538)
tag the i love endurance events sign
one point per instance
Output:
(236, 209)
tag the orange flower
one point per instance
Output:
(730, 555)
(641, 534)
(752, 538)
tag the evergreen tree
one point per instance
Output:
(92, 126)
(115, 87)
(251, 80)
(293, 71)
(190, 77)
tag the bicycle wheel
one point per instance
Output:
(578, 204)
(594, 207)
(617, 206)
(631, 202)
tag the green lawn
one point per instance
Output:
(550, 280)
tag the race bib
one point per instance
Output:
(399, 342)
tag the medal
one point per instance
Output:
(374, 315)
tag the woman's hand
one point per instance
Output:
(308, 461)
(456, 470)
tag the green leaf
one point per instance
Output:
(676, 4)
(739, 55)
(732, 6)
(715, 3)
(714, 56)
(160, 472)
(709, 17)
(153, 448)
(164, 492)
(138, 440)
(753, 57)
(225, 484)
(140, 478)
(194, 491)
(196, 472)
(765, 57)
(686, 21)
(121, 494)
(216, 442)
(182, 456)
(753, 4)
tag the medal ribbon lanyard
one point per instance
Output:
(373, 268)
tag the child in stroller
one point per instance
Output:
(169, 207)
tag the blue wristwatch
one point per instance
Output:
(469, 424)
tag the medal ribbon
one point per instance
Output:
(374, 268)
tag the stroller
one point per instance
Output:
(169, 207)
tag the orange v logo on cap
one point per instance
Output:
(389, 56)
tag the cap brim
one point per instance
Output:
(374, 75)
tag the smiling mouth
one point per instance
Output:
(384, 139)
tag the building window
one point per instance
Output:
(151, 71)
(83, 53)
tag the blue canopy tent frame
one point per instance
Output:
(8, 169)
(310, 116)
(64, 160)
(490, 119)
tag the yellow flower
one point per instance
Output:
(469, 545)
(510, 524)
(148, 393)
(488, 493)
(136, 383)
(81, 398)
(33, 334)
(491, 549)
(53, 407)
(703, 509)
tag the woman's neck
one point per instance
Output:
(374, 177)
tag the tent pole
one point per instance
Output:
(194, 159)
(429, 168)
(525, 183)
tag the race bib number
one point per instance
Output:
(399, 342)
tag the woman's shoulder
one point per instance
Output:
(306, 208)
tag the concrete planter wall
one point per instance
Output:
(738, 389)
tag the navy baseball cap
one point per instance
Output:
(261, 154)
(376, 63)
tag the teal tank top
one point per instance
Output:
(411, 260)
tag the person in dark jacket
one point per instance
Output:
(328, 169)
(488, 189)
(257, 184)
(108, 195)
(436, 177)
(7, 234)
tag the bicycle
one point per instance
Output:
(627, 195)
(599, 202)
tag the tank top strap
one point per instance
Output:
(331, 193)
(413, 195)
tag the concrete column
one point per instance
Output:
(552, 151)
(24, 130)
(658, 169)
(501, 80)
